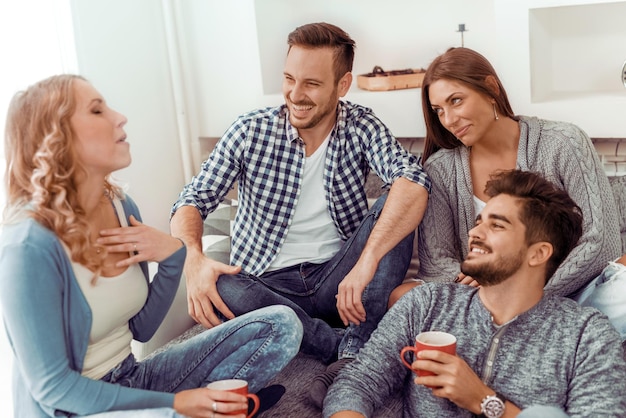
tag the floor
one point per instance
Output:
(295, 402)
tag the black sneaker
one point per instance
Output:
(268, 397)
(321, 382)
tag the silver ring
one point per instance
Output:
(212, 414)
(214, 408)
(135, 247)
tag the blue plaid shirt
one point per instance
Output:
(264, 154)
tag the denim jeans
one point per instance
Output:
(144, 413)
(253, 347)
(542, 412)
(310, 289)
(607, 293)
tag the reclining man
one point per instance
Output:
(303, 236)
(516, 348)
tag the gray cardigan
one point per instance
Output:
(562, 153)
(556, 353)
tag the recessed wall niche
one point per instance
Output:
(577, 51)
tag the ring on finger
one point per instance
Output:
(214, 408)
(135, 247)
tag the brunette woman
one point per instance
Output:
(472, 132)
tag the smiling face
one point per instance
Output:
(101, 143)
(310, 89)
(466, 113)
(497, 244)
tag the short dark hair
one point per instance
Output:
(548, 212)
(470, 68)
(321, 35)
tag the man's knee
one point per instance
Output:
(234, 290)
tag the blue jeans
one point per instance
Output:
(254, 347)
(542, 412)
(144, 413)
(310, 289)
(607, 293)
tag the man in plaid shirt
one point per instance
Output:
(303, 235)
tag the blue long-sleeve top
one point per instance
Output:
(48, 321)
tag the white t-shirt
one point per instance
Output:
(479, 205)
(113, 302)
(312, 235)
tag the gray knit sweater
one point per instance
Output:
(557, 353)
(563, 154)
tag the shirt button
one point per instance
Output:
(490, 363)
(496, 340)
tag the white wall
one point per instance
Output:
(121, 48)
(236, 50)
(235, 53)
(232, 53)
(33, 46)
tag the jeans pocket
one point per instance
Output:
(121, 374)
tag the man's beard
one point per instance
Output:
(323, 111)
(493, 273)
(312, 123)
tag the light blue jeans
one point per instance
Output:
(607, 293)
(310, 289)
(144, 413)
(542, 412)
(253, 347)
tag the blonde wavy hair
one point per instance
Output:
(42, 166)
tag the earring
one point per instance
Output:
(495, 113)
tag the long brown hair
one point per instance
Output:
(470, 68)
(42, 167)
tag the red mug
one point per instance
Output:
(240, 387)
(429, 340)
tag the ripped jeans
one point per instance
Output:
(253, 347)
(607, 293)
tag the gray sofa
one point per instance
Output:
(296, 376)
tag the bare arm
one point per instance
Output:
(201, 273)
(402, 213)
(187, 225)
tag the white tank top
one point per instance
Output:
(479, 205)
(113, 302)
(312, 235)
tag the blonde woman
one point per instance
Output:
(75, 290)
